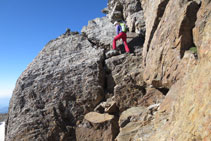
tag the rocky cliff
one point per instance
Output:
(78, 89)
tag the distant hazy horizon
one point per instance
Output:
(4, 104)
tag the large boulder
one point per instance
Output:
(62, 84)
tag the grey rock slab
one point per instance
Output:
(100, 31)
(63, 83)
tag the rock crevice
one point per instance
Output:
(78, 88)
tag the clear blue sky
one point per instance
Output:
(27, 25)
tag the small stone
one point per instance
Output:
(95, 117)
(111, 107)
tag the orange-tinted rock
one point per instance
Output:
(185, 114)
(168, 36)
(96, 126)
(201, 32)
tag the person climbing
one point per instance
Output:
(121, 34)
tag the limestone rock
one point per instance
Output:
(111, 107)
(169, 27)
(64, 82)
(103, 127)
(100, 31)
(115, 9)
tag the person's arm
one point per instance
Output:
(117, 29)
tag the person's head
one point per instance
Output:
(116, 23)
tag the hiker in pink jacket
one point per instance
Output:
(121, 34)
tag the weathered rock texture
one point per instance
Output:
(186, 110)
(169, 25)
(125, 80)
(97, 127)
(64, 82)
(162, 93)
(136, 123)
(130, 11)
(100, 31)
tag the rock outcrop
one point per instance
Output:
(64, 82)
(78, 89)
(129, 11)
(169, 35)
(185, 112)
(100, 31)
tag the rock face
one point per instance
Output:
(169, 35)
(129, 11)
(78, 89)
(64, 82)
(187, 105)
(184, 114)
(152, 96)
(100, 31)
(125, 80)
(136, 123)
(186, 110)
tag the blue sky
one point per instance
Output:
(27, 25)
